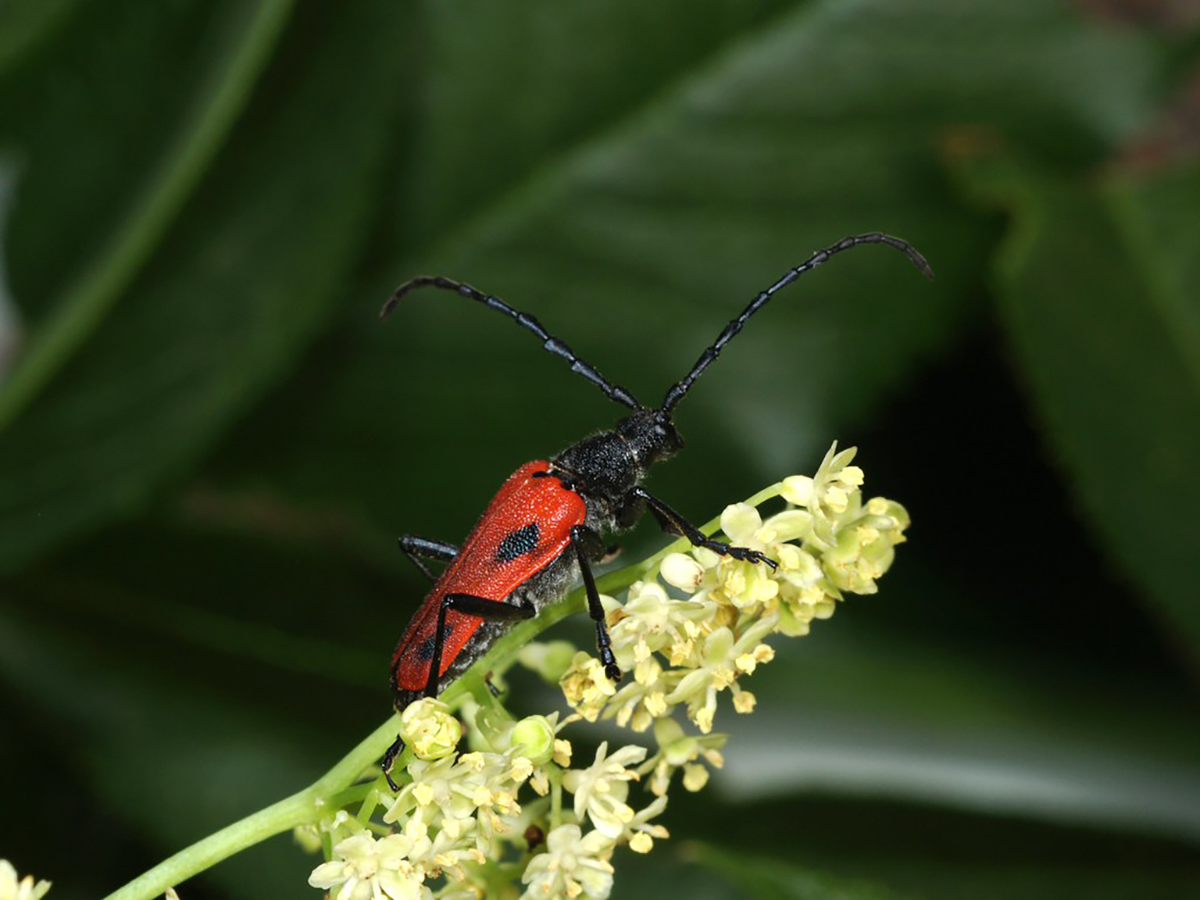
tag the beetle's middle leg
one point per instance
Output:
(416, 547)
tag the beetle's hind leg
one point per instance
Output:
(471, 605)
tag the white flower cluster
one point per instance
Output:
(468, 822)
(458, 816)
(698, 624)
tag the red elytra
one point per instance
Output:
(525, 528)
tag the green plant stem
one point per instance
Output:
(308, 806)
(301, 808)
(555, 774)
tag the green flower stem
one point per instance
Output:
(555, 775)
(281, 816)
(334, 787)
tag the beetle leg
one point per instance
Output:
(415, 547)
(471, 605)
(579, 536)
(492, 689)
(672, 522)
(389, 759)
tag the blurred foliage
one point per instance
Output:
(208, 444)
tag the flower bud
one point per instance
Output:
(308, 837)
(695, 777)
(667, 731)
(427, 726)
(533, 738)
(683, 572)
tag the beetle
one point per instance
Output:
(546, 524)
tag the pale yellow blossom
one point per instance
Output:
(366, 868)
(573, 865)
(586, 686)
(603, 787)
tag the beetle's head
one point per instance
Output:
(650, 436)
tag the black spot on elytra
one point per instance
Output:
(425, 648)
(517, 543)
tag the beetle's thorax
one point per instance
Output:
(605, 467)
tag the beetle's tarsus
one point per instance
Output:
(752, 556)
(389, 759)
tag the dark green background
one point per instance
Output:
(208, 444)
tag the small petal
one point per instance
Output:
(797, 490)
(683, 572)
(739, 521)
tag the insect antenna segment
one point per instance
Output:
(550, 343)
(680, 388)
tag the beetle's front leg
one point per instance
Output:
(673, 523)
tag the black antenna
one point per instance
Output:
(677, 391)
(550, 343)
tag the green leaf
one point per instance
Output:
(220, 98)
(1098, 293)
(640, 238)
(235, 288)
(24, 24)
